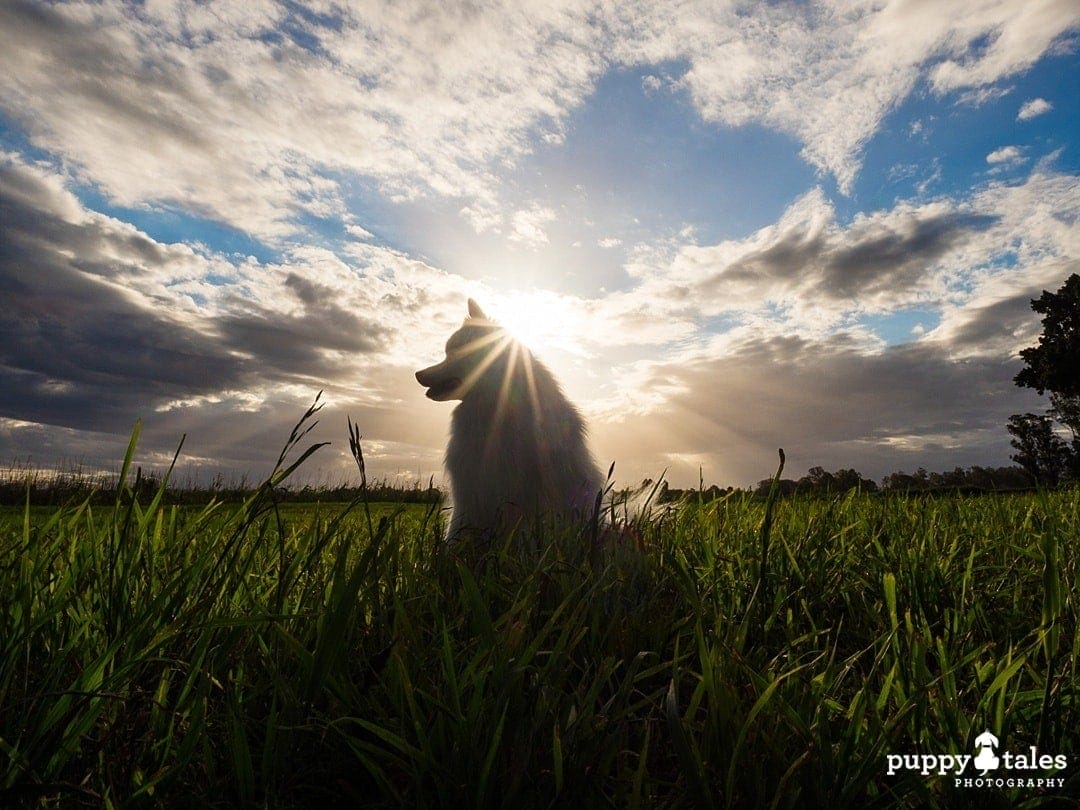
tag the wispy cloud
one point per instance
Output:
(251, 120)
(172, 103)
(829, 77)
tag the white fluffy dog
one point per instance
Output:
(517, 449)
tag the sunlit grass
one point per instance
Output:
(252, 654)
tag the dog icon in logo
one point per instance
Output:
(985, 744)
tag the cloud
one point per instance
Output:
(811, 274)
(77, 333)
(109, 325)
(996, 320)
(247, 121)
(1033, 108)
(829, 77)
(527, 225)
(1000, 40)
(819, 270)
(825, 402)
(650, 84)
(357, 232)
(255, 119)
(1006, 154)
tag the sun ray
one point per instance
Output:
(502, 341)
(503, 401)
(480, 342)
(530, 381)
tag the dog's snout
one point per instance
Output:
(425, 376)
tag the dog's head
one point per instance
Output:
(470, 353)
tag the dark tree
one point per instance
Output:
(1066, 409)
(1054, 365)
(1040, 451)
(975, 478)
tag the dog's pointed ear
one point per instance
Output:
(475, 311)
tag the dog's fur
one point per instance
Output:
(517, 451)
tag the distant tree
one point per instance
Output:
(1040, 451)
(852, 479)
(818, 481)
(902, 482)
(981, 478)
(784, 487)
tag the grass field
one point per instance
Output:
(287, 657)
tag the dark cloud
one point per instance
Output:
(299, 343)
(884, 255)
(825, 402)
(235, 439)
(999, 324)
(784, 259)
(890, 256)
(76, 349)
(81, 347)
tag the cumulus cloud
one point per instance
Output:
(1034, 108)
(812, 273)
(1006, 154)
(818, 269)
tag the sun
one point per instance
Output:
(540, 319)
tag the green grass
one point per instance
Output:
(260, 655)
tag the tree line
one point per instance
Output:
(66, 487)
(818, 481)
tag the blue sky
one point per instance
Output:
(726, 229)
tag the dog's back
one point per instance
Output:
(517, 450)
